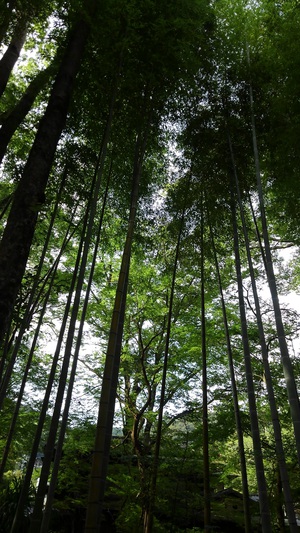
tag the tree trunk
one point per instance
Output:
(142, 444)
(64, 421)
(11, 56)
(271, 395)
(205, 434)
(50, 445)
(30, 193)
(51, 280)
(279, 506)
(15, 117)
(51, 449)
(110, 376)
(259, 466)
(10, 435)
(285, 358)
(149, 513)
(38, 433)
(37, 515)
(29, 306)
(239, 430)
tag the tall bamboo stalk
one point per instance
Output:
(259, 466)
(27, 368)
(35, 445)
(285, 358)
(15, 117)
(29, 306)
(50, 280)
(36, 517)
(58, 449)
(238, 423)
(110, 376)
(264, 349)
(205, 429)
(12, 53)
(149, 513)
(30, 193)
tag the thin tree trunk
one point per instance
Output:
(285, 358)
(29, 308)
(260, 244)
(36, 517)
(38, 433)
(42, 488)
(15, 117)
(239, 430)
(142, 448)
(205, 433)
(278, 503)
(271, 396)
(149, 513)
(18, 234)
(51, 279)
(11, 56)
(259, 466)
(110, 376)
(26, 371)
(58, 450)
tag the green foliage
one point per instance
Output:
(9, 496)
(180, 72)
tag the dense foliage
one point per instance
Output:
(149, 220)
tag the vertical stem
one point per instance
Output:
(16, 116)
(39, 429)
(42, 488)
(259, 466)
(19, 230)
(239, 430)
(30, 357)
(110, 376)
(59, 446)
(12, 53)
(28, 311)
(271, 395)
(285, 358)
(149, 515)
(206, 469)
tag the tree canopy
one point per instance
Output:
(149, 231)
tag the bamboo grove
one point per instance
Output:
(149, 194)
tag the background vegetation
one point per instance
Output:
(149, 212)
